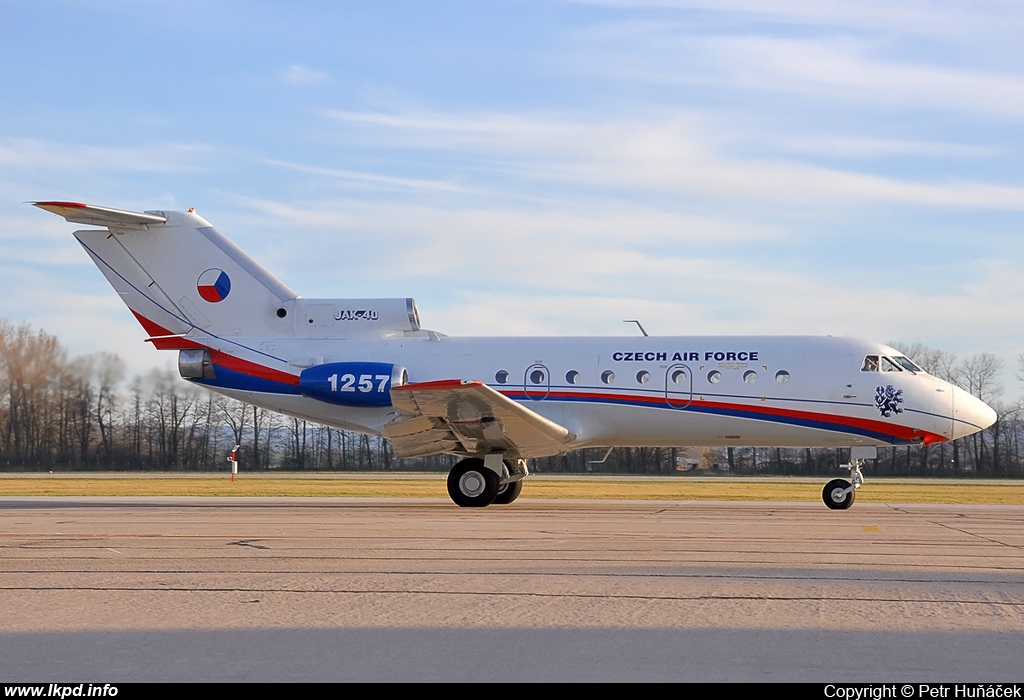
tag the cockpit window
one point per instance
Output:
(906, 364)
(890, 366)
(870, 364)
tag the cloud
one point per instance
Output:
(830, 67)
(841, 70)
(750, 301)
(683, 155)
(49, 156)
(863, 148)
(464, 232)
(914, 17)
(369, 180)
(297, 74)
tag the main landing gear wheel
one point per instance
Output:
(836, 495)
(471, 484)
(509, 492)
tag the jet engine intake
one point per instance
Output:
(195, 363)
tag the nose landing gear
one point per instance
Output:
(838, 494)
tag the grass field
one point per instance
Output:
(433, 486)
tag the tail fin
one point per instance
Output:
(177, 273)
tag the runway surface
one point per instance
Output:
(178, 589)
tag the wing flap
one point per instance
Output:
(467, 416)
(421, 436)
(99, 216)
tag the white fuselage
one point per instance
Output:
(785, 391)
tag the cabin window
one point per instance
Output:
(890, 366)
(607, 376)
(750, 376)
(643, 376)
(782, 376)
(714, 376)
(572, 377)
(906, 364)
(870, 364)
(501, 376)
(537, 376)
(678, 376)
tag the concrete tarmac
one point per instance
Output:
(180, 589)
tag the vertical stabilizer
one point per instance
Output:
(177, 273)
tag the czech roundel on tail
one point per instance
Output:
(367, 365)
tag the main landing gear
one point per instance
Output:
(839, 494)
(476, 482)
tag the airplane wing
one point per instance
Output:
(468, 417)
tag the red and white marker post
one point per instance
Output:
(234, 463)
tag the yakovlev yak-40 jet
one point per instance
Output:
(367, 365)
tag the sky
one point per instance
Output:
(538, 167)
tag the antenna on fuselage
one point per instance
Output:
(638, 324)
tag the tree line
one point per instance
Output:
(84, 413)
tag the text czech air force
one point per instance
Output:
(708, 356)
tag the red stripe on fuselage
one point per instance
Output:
(163, 339)
(251, 368)
(900, 432)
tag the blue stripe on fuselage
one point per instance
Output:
(232, 379)
(826, 422)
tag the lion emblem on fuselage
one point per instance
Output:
(888, 400)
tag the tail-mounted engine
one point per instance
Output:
(195, 364)
(351, 318)
(362, 384)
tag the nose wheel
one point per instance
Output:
(839, 494)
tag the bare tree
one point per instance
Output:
(236, 414)
(109, 372)
(978, 375)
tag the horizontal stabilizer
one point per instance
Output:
(469, 417)
(99, 216)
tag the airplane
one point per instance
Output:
(367, 365)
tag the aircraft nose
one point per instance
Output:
(970, 414)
